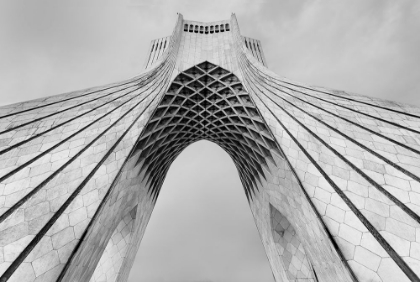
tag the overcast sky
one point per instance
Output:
(201, 229)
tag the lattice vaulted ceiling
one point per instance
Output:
(206, 102)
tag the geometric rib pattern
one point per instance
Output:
(207, 102)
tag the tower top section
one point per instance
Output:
(197, 42)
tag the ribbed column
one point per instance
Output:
(68, 177)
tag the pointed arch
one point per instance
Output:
(207, 102)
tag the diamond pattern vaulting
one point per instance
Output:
(206, 102)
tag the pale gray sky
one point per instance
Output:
(202, 229)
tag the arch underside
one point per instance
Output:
(207, 102)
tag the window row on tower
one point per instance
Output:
(206, 29)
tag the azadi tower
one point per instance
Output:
(332, 179)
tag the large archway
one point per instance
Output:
(207, 102)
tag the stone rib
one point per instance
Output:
(56, 113)
(349, 99)
(64, 100)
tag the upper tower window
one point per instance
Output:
(206, 29)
